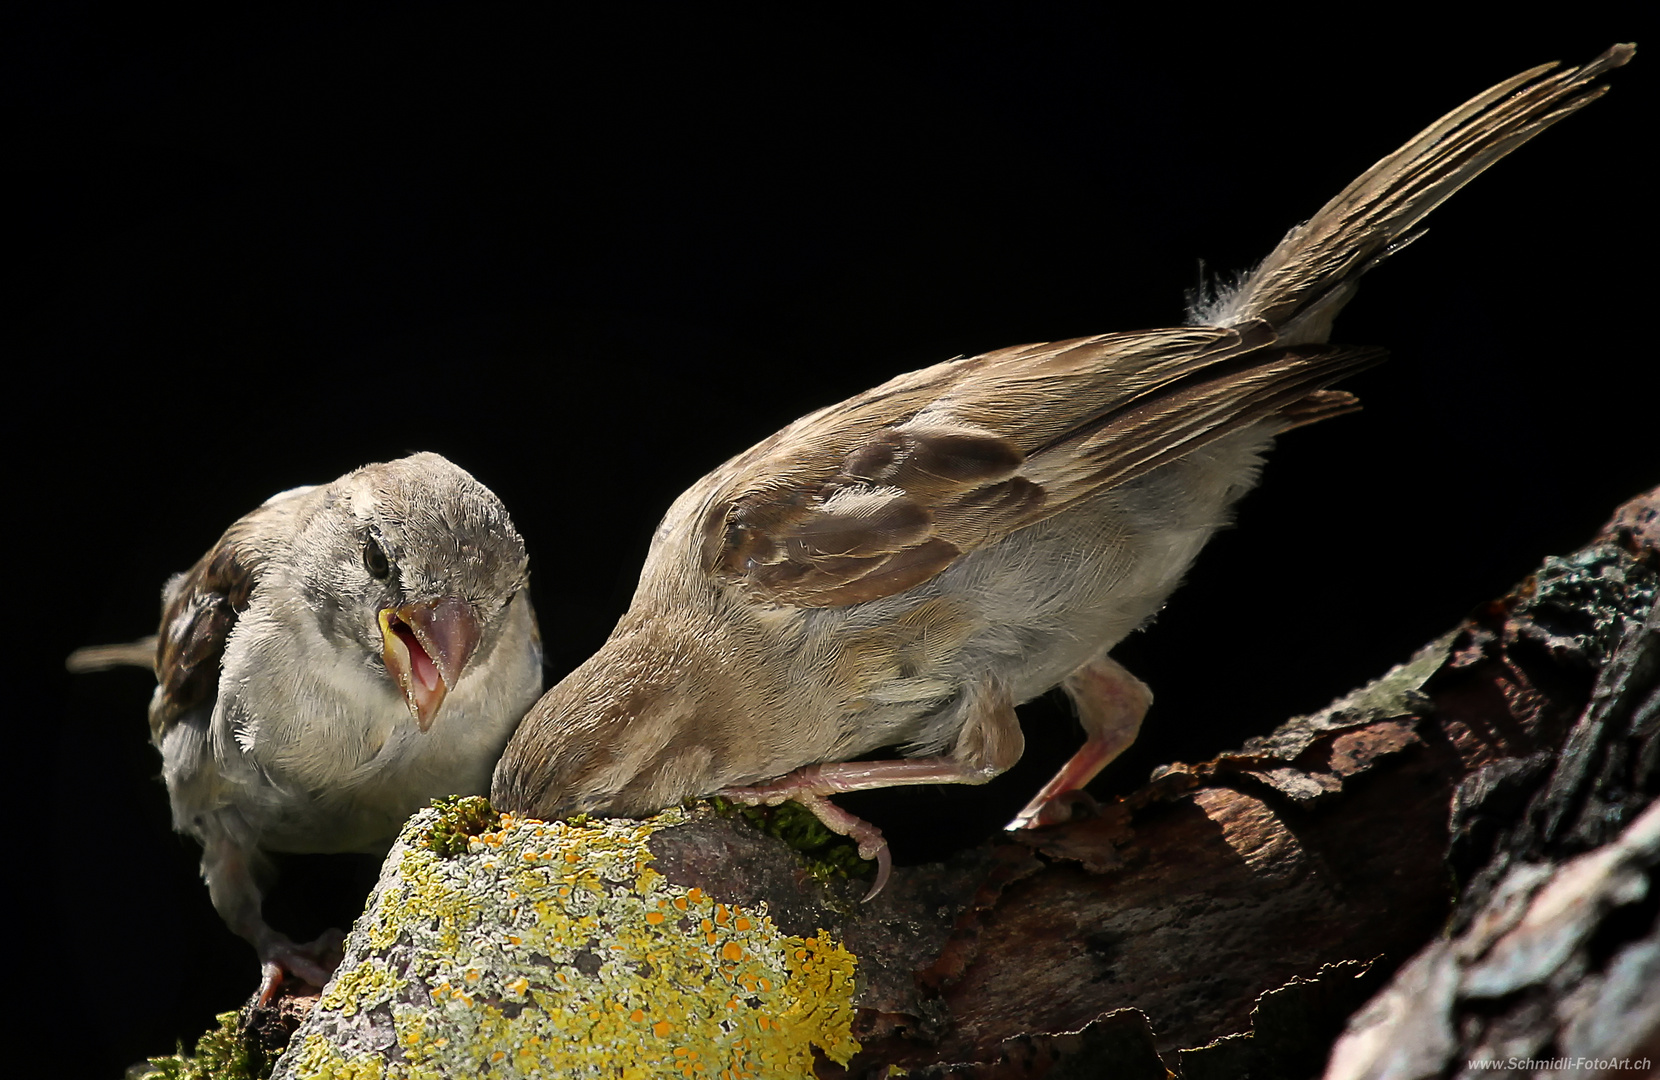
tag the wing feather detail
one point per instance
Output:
(881, 492)
(200, 608)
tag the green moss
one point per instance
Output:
(220, 1055)
(460, 817)
(827, 854)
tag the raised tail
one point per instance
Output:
(1302, 285)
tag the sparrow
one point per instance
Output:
(342, 655)
(903, 568)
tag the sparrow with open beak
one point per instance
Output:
(341, 656)
(903, 568)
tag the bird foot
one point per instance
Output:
(801, 787)
(311, 963)
(1111, 703)
(1055, 809)
(809, 786)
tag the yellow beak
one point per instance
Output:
(426, 646)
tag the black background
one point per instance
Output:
(588, 259)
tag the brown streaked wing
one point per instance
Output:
(1188, 413)
(883, 491)
(198, 612)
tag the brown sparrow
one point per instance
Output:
(341, 656)
(903, 568)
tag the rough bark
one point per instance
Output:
(1223, 921)
(1552, 965)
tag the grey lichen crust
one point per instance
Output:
(555, 949)
(1398, 692)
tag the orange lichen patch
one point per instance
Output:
(732, 952)
(662, 1028)
(654, 917)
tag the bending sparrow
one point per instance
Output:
(342, 655)
(905, 567)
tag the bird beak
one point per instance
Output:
(426, 647)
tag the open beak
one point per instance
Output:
(426, 646)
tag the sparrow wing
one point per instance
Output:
(883, 491)
(877, 494)
(200, 607)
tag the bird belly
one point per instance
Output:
(1032, 608)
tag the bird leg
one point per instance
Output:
(312, 961)
(988, 744)
(237, 897)
(1110, 703)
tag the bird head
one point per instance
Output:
(653, 718)
(419, 565)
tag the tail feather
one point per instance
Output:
(1318, 406)
(140, 653)
(1303, 283)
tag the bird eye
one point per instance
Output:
(375, 560)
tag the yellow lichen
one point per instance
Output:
(363, 987)
(555, 950)
(318, 1059)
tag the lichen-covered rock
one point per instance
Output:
(558, 950)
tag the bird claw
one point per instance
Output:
(873, 846)
(312, 962)
(1046, 810)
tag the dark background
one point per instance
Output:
(590, 259)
